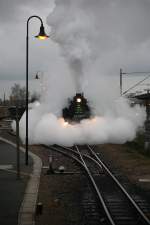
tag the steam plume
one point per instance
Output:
(91, 45)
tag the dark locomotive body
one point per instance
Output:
(77, 110)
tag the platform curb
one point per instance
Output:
(26, 215)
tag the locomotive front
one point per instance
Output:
(77, 110)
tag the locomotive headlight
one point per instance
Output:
(65, 123)
(79, 100)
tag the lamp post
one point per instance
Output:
(42, 36)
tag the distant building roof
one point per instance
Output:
(145, 96)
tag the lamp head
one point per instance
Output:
(42, 35)
(37, 77)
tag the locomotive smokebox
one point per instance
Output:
(77, 110)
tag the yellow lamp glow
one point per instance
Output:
(42, 35)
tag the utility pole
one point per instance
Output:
(121, 82)
(4, 100)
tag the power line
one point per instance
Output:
(136, 84)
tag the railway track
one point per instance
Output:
(110, 203)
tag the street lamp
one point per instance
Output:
(42, 36)
(40, 76)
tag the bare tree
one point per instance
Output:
(18, 95)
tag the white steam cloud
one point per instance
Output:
(90, 40)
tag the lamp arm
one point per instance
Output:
(34, 16)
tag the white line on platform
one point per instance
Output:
(6, 167)
(144, 180)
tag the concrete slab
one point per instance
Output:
(27, 210)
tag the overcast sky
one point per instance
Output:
(13, 17)
(124, 35)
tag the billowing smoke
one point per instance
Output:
(72, 28)
(91, 44)
(119, 127)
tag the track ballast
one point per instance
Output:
(110, 203)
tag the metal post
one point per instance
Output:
(120, 82)
(18, 144)
(50, 169)
(27, 65)
(27, 89)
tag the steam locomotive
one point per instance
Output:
(77, 110)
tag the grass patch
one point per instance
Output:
(137, 145)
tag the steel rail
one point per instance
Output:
(96, 188)
(83, 164)
(85, 155)
(101, 165)
(73, 151)
(71, 156)
(120, 186)
(64, 153)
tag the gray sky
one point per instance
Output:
(13, 17)
(123, 40)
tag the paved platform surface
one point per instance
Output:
(11, 189)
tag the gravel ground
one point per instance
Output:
(62, 194)
(132, 164)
